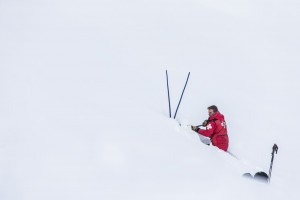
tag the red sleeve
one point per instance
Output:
(208, 131)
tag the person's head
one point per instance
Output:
(212, 110)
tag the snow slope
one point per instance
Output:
(83, 102)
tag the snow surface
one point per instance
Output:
(83, 100)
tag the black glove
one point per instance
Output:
(205, 123)
(195, 128)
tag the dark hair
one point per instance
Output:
(214, 108)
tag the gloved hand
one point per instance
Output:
(205, 123)
(195, 128)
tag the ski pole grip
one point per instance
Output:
(275, 148)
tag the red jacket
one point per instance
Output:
(216, 130)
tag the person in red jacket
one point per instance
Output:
(215, 128)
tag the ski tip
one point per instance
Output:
(259, 176)
(247, 175)
(262, 177)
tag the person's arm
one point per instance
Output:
(208, 131)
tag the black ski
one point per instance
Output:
(170, 114)
(187, 79)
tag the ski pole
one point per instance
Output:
(182, 94)
(168, 93)
(274, 150)
(191, 125)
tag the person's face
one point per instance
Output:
(211, 112)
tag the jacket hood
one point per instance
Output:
(218, 116)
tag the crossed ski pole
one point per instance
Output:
(167, 77)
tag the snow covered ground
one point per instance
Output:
(83, 100)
